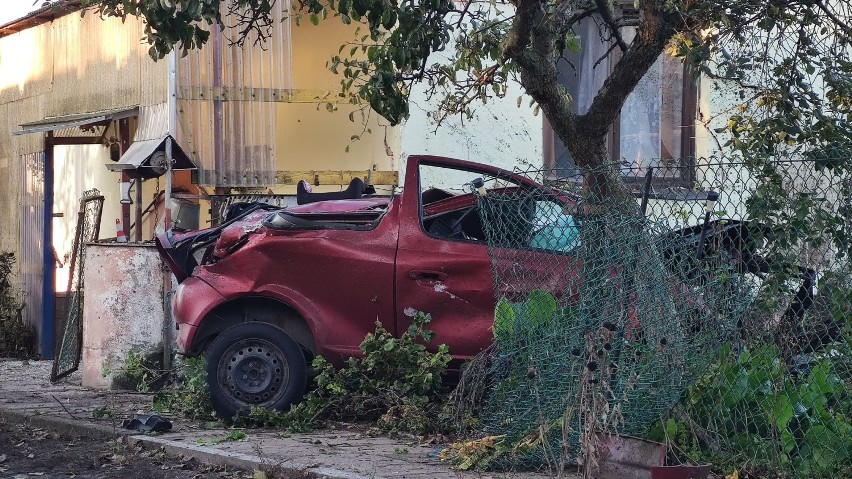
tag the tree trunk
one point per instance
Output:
(531, 45)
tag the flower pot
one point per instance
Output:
(682, 471)
(627, 457)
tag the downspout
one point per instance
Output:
(172, 107)
(548, 148)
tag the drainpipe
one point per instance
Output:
(124, 143)
(548, 149)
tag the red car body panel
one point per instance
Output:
(342, 281)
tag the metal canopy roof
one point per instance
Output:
(144, 158)
(76, 120)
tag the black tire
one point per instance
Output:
(271, 367)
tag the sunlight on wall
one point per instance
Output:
(91, 40)
(308, 138)
(77, 169)
(21, 59)
(117, 41)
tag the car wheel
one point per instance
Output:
(254, 364)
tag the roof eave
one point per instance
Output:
(40, 16)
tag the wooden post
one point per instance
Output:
(167, 276)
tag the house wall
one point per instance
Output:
(500, 133)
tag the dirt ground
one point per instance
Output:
(27, 453)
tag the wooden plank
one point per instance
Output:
(261, 94)
(338, 177)
(77, 140)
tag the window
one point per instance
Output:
(447, 205)
(655, 127)
(523, 218)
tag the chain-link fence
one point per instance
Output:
(710, 314)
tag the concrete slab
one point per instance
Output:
(122, 308)
(27, 395)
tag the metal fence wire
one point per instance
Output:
(70, 350)
(710, 315)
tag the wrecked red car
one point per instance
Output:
(271, 288)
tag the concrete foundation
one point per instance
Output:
(122, 308)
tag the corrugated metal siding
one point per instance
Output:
(26, 65)
(11, 174)
(153, 122)
(244, 95)
(9, 186)
(154, 80)
(32, 235)
(96, 64)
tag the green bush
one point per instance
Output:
(16, 336)
(142, 371)
(396, 383)
(765, 416)
(188, 394)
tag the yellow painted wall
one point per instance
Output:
(308, 136)
(79, 168)
(314, 139)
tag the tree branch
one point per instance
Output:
(564, 22)
(655, 29)
(606, 16)
(531, 45)
(833, 17)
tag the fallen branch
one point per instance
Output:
(65, 408)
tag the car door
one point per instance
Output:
(444, 274)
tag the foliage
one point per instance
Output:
(101, 412)
(189, 395)
(396, 383)
(181, 389)
(16, 336)
(795, 115)
(764, 415)
(168, 23)
(142, 371)
(682, 444)
(470, 453)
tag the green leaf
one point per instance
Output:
(504, 320)
(541, 307)
(314, 19)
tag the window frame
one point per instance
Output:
(687, 166)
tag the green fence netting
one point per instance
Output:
(651, 312)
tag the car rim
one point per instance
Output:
(254, 372)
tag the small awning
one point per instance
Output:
(146, 158)
(72, 121)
